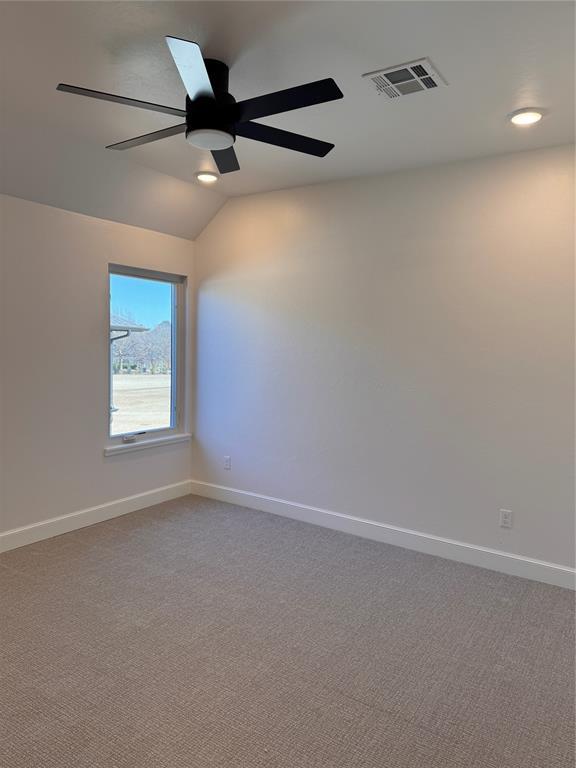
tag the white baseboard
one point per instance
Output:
(493, 559)
(29, 534)
(505, 562)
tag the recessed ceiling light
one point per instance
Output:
(207, 177)
(527, 116)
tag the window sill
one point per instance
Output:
(152, 442)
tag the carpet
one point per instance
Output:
(197, 634)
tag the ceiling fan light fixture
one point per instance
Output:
(527, 116)
(210, 138)
(206, 177)
(213, 117)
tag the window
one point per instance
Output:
(146, 352)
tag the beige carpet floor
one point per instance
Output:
(196, 634)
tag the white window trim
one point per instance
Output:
(179, 431)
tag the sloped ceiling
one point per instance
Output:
(497, 57)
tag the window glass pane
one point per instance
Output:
(141, 347)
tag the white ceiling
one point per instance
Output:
(497, 57)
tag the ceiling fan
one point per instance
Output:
(213, 116)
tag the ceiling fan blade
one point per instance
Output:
(292, 98)
(190, 64)
(285, 139)
(149, 137)
(120, 100)
(226, 160)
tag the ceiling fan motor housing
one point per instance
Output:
(210, 121)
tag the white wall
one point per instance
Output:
(53, 351)
(398, 348)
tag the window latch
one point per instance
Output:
(132, 437)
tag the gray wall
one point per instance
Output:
(53, 362)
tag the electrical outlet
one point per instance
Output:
(227, 462)
(505, 518)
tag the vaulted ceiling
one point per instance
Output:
(496, 57)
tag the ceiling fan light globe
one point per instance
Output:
(210, 138)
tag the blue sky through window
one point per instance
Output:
(147, 302)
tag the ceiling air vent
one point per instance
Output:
(403, 79)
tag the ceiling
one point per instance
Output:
(496, 56)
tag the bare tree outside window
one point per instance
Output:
(141, 354)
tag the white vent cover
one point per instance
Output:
(403, 79)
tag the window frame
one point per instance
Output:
(177, 428)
